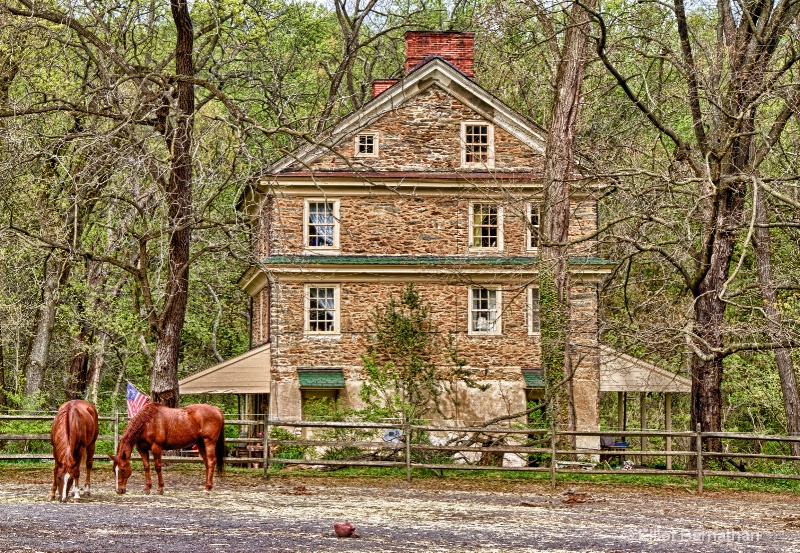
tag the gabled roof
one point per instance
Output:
(248, 373)
(435, 71)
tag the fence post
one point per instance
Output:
(553, 455)
(116, 431)
(699, 444)
(407, 432)
(266, 446)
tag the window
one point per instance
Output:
(322, 309)
(328, 397)
(366, 145)
(534, 320)
(532, 224)
(322, 224)
(477, 144)
(485, 226)
(484, 312)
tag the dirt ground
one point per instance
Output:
(246, 513)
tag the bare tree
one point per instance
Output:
(718, 139)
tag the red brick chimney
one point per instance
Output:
(379, 85)
(456, 47)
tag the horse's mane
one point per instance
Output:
(138, 424)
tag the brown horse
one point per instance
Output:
(73, 436)
(158, 428)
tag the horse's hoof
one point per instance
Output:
(147, 492)
(87, 494)
(160, 492)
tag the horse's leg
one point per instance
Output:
(206, 448)
(81, 462)
(89, 464)
(55, 482)
(157, 451)
(148, 481)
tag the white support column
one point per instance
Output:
(668, 425)
(643, 423)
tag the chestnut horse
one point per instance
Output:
(73, 436)
(158, 428)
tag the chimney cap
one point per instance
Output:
(433, 33)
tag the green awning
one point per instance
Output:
(315, 377)
(533, 378)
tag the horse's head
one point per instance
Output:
(65, 478)
(122, 470)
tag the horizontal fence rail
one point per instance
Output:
(264, 443)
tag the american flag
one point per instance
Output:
(136, 400)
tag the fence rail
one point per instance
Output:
(440, 447)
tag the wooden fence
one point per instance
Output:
(440, 448)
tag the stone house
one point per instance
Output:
(436, 182)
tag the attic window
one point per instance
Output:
(366, 145)
(477, 144)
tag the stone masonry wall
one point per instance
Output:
(494, 359)
(416, 225)
(425, 135)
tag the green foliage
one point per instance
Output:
(285, 451)
(410, 367)
(554, 322)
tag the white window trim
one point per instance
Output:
(337, 314)
(375, 139)
(498, 327)
(499, 227)
(529, 312)
(490, 146)
(528, 209)
(336, 215)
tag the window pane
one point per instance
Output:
(534, 313)
(366, 144)
(485, 226)
(321, 309)
(533, 227)
(320, 224)
(476, 143)
(484, 310)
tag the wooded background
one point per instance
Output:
(129, 132)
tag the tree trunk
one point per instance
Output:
(783, 356)
(3, 403)
(709, 311)
(553, 266)
(96, 362)
(55, 271)
(79, 361)
(164, 380)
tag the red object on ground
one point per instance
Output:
(345, 530)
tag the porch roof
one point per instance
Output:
(248, 373)
(620, 372)
(314, 377)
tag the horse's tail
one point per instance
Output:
(221, 450)
(73, 428)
